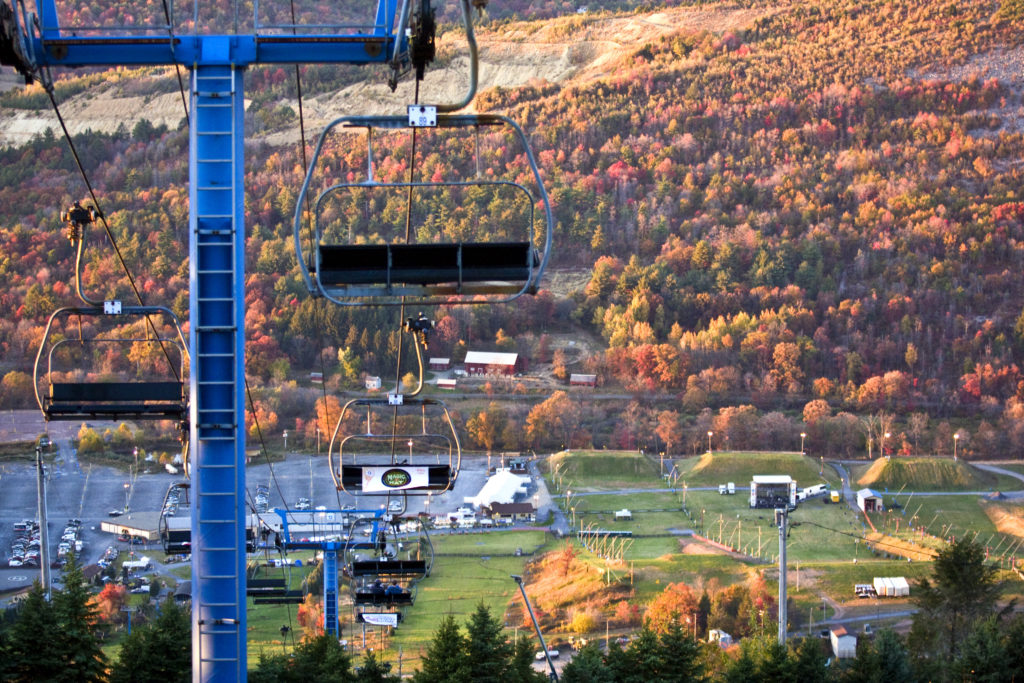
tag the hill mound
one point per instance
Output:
(924, 474)
(718, 468)
(1008, 519)
(603, 470)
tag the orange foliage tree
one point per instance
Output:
(109, 602)
(311, 616)
(676, 603)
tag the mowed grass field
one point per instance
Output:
(929, 474)
(740, 467)
(600, 470)
(824, 544)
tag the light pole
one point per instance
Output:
(684, 494)
(127, 494)
(710, 434)
(135, 452)
(821, 470)
(44, 536)
(956, 438)
(885, 437)
(803, 435)
(318, 441)
(409, 443)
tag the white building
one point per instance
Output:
(869, 500)
(501, 488)
(844, 643)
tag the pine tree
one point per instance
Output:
(375, 671)
(644, 655)
(810, 665)
(521, 668)
(679, 655)
(487, 650)
(32, 649)
(82, 660)
(319, 658)
(445, 660)
(158, 651)
(587, 667)
(984, 657)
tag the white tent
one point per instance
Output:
(501, 488)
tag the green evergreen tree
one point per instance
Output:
(679, 655)
(32, 648)
(644, 654)
(375, 671)
(810, 663)
(446, 659)
(1014, 634)
(158, 651)
(318, 659)
(617, 662)
(587, 667)
(488, 652)
(775, 664)
(521, 667)
(962, 590)
(984, 658)
(893, 661)
(82, 660)
(743, 670)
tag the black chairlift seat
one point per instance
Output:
(389, 568)
(439, 478)
(463, 268)
(366, 598)
(424, 273)
(116, 401)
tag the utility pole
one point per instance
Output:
(781, 520)
(44, 537)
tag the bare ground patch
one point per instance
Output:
(1008, 519)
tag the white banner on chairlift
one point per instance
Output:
(379, 479)
(381, 618)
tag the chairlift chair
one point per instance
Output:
(385, 269)
(122, 399)
(376, 462)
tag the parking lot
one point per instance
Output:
(90, 493)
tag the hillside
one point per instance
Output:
(721, 467)
(759, 208)
(924, 474)
(564, 50)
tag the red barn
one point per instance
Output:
(489, 363)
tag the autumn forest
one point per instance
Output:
(812, 222)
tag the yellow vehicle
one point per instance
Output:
(834, 496)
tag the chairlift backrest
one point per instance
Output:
(123, 398)
(357, 269)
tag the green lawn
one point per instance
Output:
(600, 470)
(928, 474)
(740, 467)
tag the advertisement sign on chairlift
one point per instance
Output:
(380, 618)
(394, 478)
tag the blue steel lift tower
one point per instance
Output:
(32, 42)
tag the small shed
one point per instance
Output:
(719, 636)
(623, 514)
(440, 364)
(373, 383)
(869, 500)
(580, 380)
(445, 383)
(844, 643)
